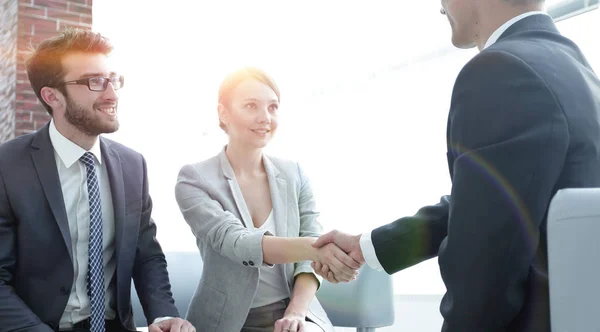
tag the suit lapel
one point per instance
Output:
(42, 154)
(236, 192)
(117, 190)
(278, 188)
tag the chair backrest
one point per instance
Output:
(367, 302)
(185, 270)
(573, 253)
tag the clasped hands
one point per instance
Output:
(339, 256)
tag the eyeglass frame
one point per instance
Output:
(86, 81)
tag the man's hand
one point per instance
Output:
(340, 264)
(346, 242)
(172, 325)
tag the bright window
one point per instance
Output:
(365, 95)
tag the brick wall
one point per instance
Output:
(35, 21)
(8, 67)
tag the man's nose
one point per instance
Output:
(110, 93)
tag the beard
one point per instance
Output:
(87, 121)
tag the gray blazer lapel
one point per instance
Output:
(117, 190)
(238, 197)
(42, 154)
(278, 188)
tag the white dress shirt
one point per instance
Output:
(73, 182)
(366, 244)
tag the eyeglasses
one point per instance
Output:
(99, 83)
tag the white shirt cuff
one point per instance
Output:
(160, 319)
(368, 251)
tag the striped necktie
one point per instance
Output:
(95, 265)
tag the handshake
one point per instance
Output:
(338, 256)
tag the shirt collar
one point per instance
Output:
(67, 151)
(494, 37)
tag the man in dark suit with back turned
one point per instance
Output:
(523, 123)
(75, 223)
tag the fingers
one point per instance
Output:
(172, 325)
(324, 239)
(332, 277)
(175, 325)
(187, 327)
(328, 275)
(163, 326)
(154, 328)
(323, 271)
(317, 267)
(288, 325)
(339, 275)
(347, 260)
(293, 327)
(358, 256)
(334, 258)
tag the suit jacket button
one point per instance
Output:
(251, 263)
(245, 263)
(64, 291)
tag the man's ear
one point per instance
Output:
(52, 97)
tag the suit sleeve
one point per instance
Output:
(309, 221)
(14, 313)
(150, 267)
(411, 240)
(211, 223)
(509, 140)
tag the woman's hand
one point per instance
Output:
(323, 271)
(290, 322)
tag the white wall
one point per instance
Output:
(365, 94)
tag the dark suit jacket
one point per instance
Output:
(36, 269)
(523, 123)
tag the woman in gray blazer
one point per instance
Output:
(254, 219)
